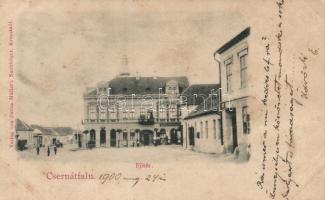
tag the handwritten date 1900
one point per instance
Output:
(119, 177)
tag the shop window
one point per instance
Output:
(125, 135)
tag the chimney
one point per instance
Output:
(137, 76)
(124, 74)
(125, 67)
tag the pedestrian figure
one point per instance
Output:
(48, 151)
(138, 144)
(37, 150)
(55, 150)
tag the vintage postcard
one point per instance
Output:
(162, 100)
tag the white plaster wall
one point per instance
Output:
(210, 144)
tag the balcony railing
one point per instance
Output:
(146, 121)
(162, 122)
(170, 123)
(105, 121)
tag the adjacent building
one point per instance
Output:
(202, 127)
(65, 135)
(200, 118)
(234, 66)
(43, 137)
(31, 136)
(24, 135)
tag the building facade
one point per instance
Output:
(31, 136)
(203, 127)
(133, 111)
(24, 135)
(234, 65)
(49, 136)
(200, 119)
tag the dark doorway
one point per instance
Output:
(40, 140)
(92, 136)
(191, 136)
(113, 138)
(173, 136)
(79, 140)
(146, 137)
(234, 129)
(102, 136)
(162, 132)
(22, 144)
(92, 139)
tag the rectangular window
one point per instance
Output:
(214, 129)
(142, 111)
(206, 130)
(243, 71)
(92, 111)
(125, 115)
(220, 133)
(229, 74)
(201, 128)
(102, 113)
(132, 114)
(173, 113)
(162, 114)
(246, 122)
(112, 114)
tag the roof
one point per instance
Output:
(64, 131)
(141, 85)
(242, 35)
(209, 106)
(22, 126)
(44, 131)
(201, 90)
(55, 131)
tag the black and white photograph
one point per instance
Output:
(142, 100)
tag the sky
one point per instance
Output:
(62, 51)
